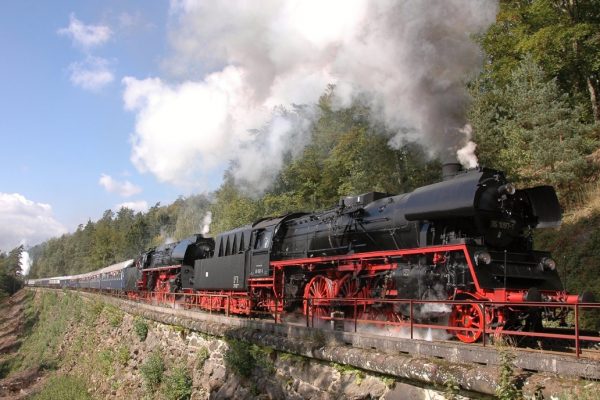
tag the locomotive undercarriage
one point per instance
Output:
(404, 285)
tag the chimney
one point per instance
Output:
(450, 169)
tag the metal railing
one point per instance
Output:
(408, 324)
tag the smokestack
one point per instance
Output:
(450, 169)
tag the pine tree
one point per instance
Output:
(528, 129)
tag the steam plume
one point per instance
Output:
(237, 61)
(206, 221)
(25, 262)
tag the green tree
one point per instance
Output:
(232, 208)
(191, 216)
(528, 129)
(562, 36)
(12, 263)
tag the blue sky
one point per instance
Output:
(111, 103)
(59, 137)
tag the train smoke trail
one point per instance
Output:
(237, 63)
(206, 221)
(25, 262)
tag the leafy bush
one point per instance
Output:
(201, 356)
(64, 387)
(141, 328)
(152, 371)
(262, 357)
(239, 358)
(114, 315)
(106, 358)
(123, 355)
(178, 384)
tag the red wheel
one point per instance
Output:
(320, 292)
(467, 316)
(348, 288)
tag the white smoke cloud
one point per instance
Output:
(25, 263)
(23, 221)
(86, 36)
(408, 60)
(125, 189)
(137, 206)
(92, 74)
(206, 221)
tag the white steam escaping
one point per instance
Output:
(466, 155)
(25, 263)
(206, 221)
(238, 62)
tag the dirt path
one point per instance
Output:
(12, 323)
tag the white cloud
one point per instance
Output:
(137, 206)
(23, 221)
(122, 188)
(407, 60)
(86, 36)
(92, 74)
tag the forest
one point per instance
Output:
(535, 114)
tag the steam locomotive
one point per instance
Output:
(468, 237)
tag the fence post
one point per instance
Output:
(484, 328)
(411, 319)
(307, 311)
(577, 349)
(228, 303)
(276, 308)
(355, 314)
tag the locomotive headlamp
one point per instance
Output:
(507, 188)
(548, 263)
(483, 257)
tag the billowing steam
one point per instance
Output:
(236, 62)
(206, 221)
(25, 262)
(466, 155)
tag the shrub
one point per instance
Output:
(141, 328)
(262, 357)
(451, 388)
(201, 356)
(106, 358)
(239, 358)
(178, 384)
(114, 315)
(152, 371)
(123, 355)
